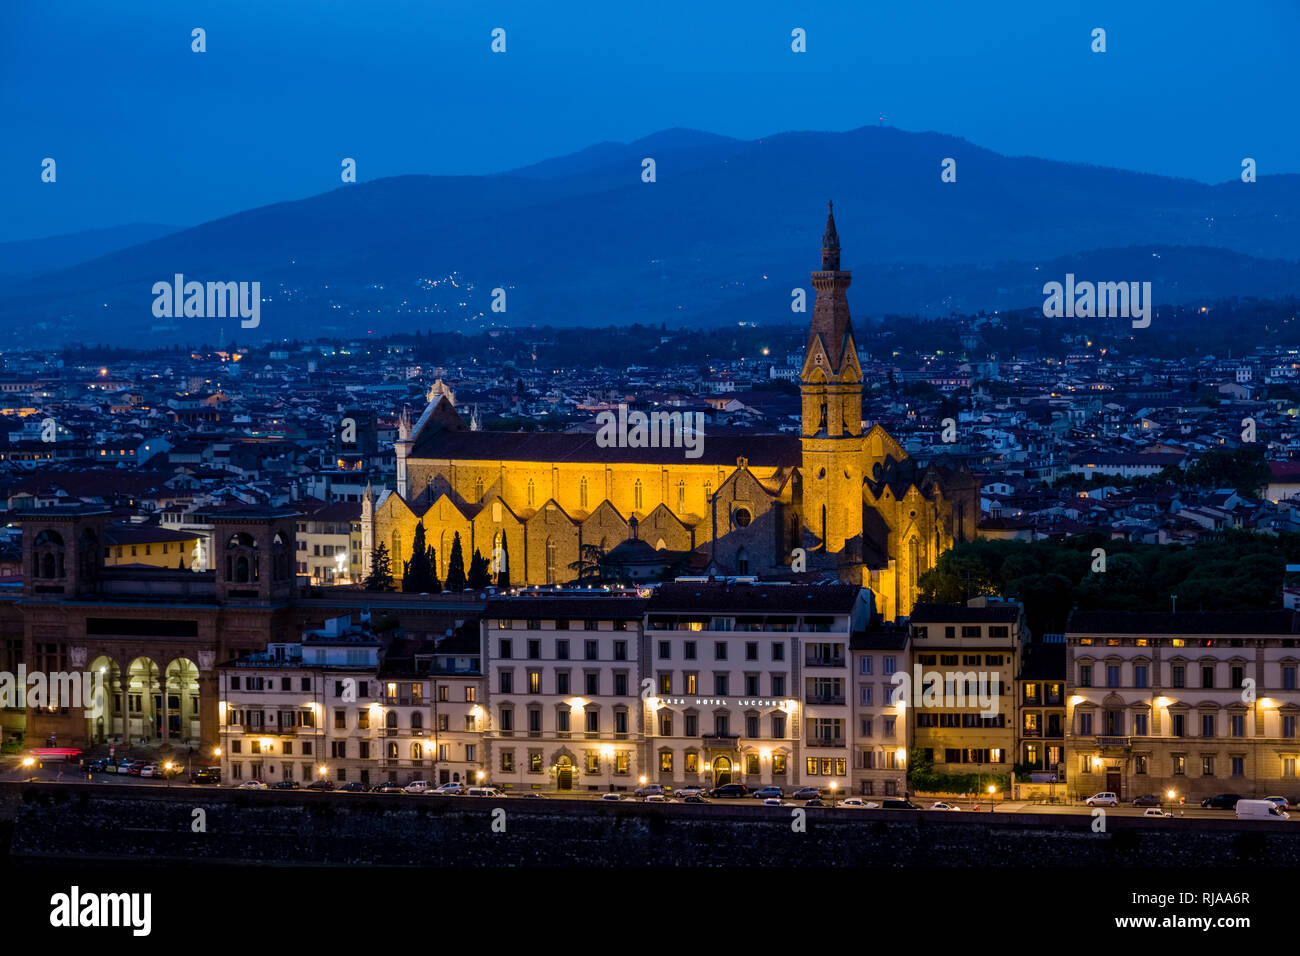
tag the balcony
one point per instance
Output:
(1114, 743)
(825, 742)
(720, 741)
(1031, 732)
(818, 661)
(825, 699)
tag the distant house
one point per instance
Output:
(1283, 480)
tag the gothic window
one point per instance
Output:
(395, 549)
(913, 559)
(478, 489)
(708, 491)
(47, 555)
(582, 493)
(681, 496)
(636, 495)
(279, 558)
(532, 492)
(550, 561)
(821, 425)
(742, 561)
(242, 562)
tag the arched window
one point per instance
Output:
(417, 751)
(742, 561)
(279, 558)
(395, 555)
(392, 750)
(478, 489)
(636, 495)
(582, 493)
(390, 720)
(242, 562)
(47, 555)
(417, 721)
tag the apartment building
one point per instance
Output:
(1040, 701)
(562, 695)
(962, 684)
(751, 683)
(879, 729)
(1196, 703)
(329, 543)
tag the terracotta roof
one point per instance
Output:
(763, 450)
(755, 598)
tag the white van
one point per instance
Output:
(1260, 810)
(417, 786)
(483, 792)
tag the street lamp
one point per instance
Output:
(835, 784)
(992, 790)
(167, 772)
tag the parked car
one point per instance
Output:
(650, 789)
(1222, 801)
(729, 790)
(417, 786)
(125, 766)
(940, 805)
(353, 787)
(137, 768)
(205, 775)
(612, 797)
(452, 789)
(1259, 810)
(694, 798)
(690, 791)
(1156, 812)
(151, 770)
(1103, 799)
(167, 772)
(386, 787)
(1282, 802)
(765, 792)
(815, 802)
(806, 793)
(1147, 800)
(900, 805)
(320, 785)
(287, 785)
(857, 803)
(251, 785)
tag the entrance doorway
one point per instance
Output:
(1113, 778)
(564, 774)
(721, 771)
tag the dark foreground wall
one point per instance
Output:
(122, 824)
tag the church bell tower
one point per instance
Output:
(831, 388)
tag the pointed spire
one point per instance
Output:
(830, 241)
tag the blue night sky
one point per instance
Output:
(143, 129)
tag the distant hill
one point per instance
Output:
(57, 252)
(725, 232)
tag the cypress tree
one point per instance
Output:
(456, 566)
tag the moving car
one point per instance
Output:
(287, 785)
(772, 802)
(1221, 801)
(320, 785)
(690, 792)
(806, 793)
(694, 798)
(766, 792)
(900, 805)
(943, 806)
(657, 798)
(417, 786)
(1147, 800)
(857, 803)
(205, 775)
(251, 785)
(386, 787)
(353, 787)
(815, 802)
(1282, 802)
(451, 788)
(1156, 812)
(729, 790)
(613, 797)
(650, 789)
(1260, 810)
(483, 792)
(1103, 799)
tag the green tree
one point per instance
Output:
(418, 574)
(380, 577)
(479, 577)
(456, 567)
(588, 564)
